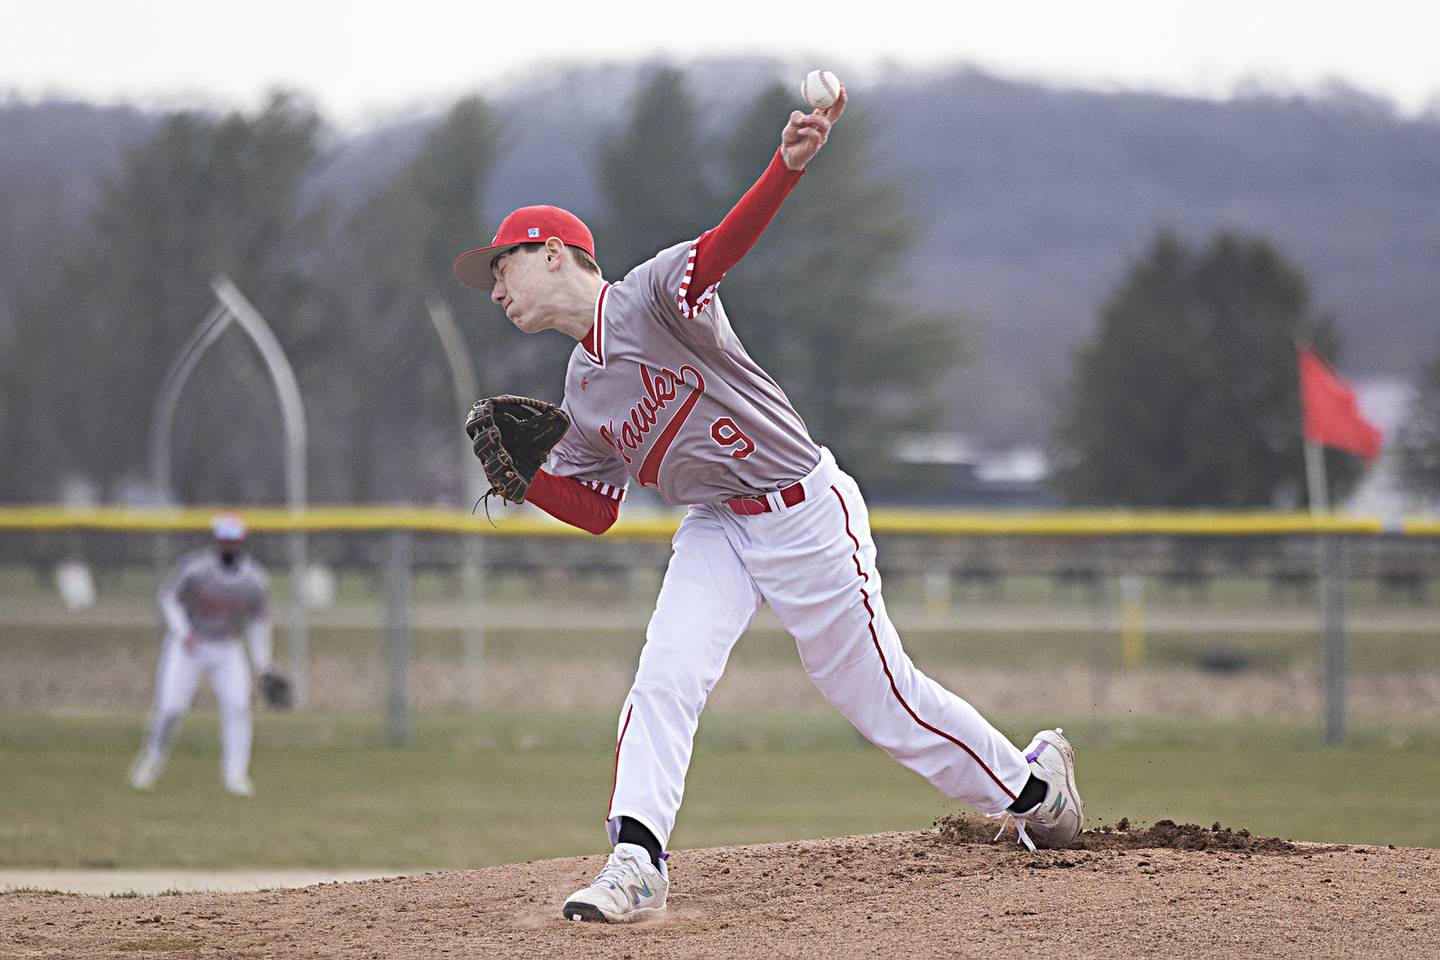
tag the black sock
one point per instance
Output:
(1030, 796)
(633, 831)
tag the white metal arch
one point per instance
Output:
(233, 306)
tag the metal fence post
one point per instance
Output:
(298, 636)
(1132, 621)
(1105, 616)
(1332, 606)
(472, 583)
(397, 638)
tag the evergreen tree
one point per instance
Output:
(652, 176)
(1188, 396)
(392, 258)
(204, 195)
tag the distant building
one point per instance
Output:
(1385, 401)
(948, 469)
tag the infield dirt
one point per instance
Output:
(1164, 891)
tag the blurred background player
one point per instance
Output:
(214, 596)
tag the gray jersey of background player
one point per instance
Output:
(220, 594)
(217, 609)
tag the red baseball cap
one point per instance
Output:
(526, 225)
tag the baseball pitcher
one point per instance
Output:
(660, 392)
(214, 597)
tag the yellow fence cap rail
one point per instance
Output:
(1113, 523)
(507, 521)
(528, 522)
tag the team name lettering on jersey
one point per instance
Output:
(660, 390)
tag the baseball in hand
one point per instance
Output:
(820, 88)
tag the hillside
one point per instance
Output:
(1030, 201)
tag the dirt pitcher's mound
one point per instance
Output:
(940, 893)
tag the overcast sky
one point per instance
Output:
(366, 58)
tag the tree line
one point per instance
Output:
(1184, 397)
(346, 286)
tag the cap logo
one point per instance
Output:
(533, 233)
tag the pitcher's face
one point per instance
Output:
(522, 285)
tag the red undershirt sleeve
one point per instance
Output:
(721, 248)
(570, 500)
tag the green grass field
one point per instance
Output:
(498, 787)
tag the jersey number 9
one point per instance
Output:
(727, 434)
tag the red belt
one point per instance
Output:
(751, 506)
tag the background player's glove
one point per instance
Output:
(276, 690)
(512, 436)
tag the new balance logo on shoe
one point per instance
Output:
(629, 885)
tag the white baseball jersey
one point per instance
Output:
(215, 601)
(667, 396)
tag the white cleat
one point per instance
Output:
(146, 770)
(240, 786)
(628, 886)
(1056, 820)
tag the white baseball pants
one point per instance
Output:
(179, 673)
(814, 563)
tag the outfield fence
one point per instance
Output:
(437, 600)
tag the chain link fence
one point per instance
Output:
(1221, 616)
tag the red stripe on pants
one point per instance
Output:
(874, 639)
(615, 780)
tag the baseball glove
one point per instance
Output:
(276, 690)
(512, 436)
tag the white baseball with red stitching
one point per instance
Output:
(820, 88)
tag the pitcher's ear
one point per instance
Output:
(554, 251)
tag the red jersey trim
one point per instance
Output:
(682, 301)
(606, 490)
(615, 778)
(593, 343)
